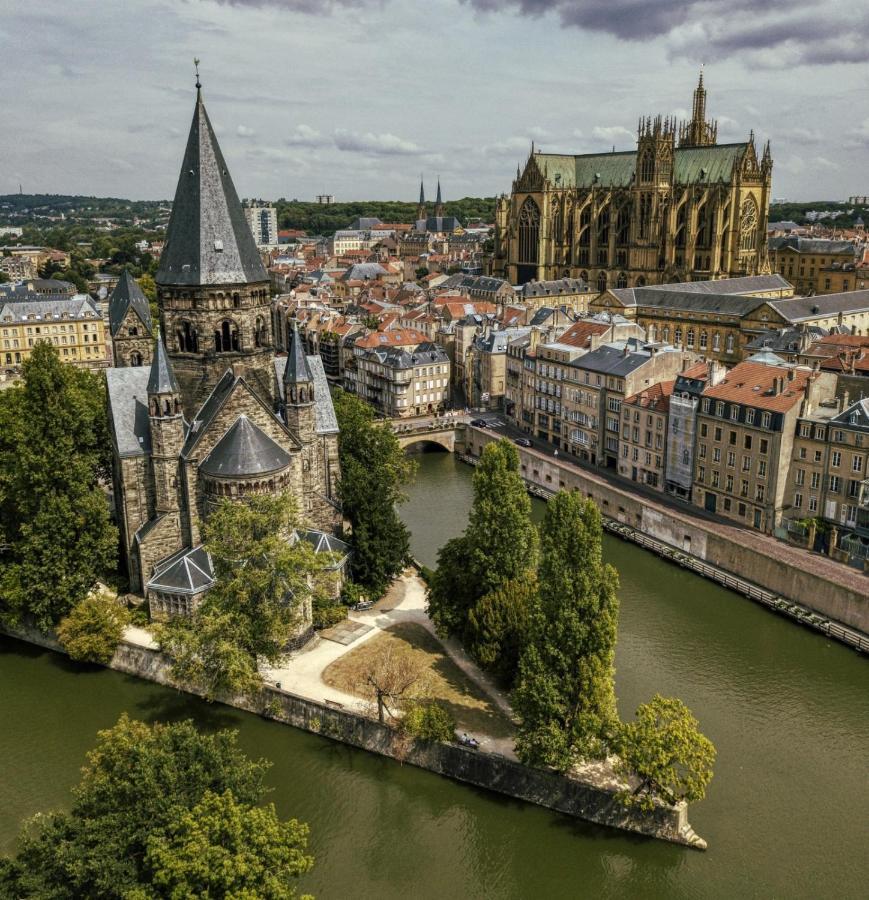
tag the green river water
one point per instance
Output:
(785, 816)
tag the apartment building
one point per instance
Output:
(643, 452)
(745, 437)
(262, 218)
(814, 265)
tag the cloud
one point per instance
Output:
(385, 144)
(776, 34)
(305, 136)
(511, 146)
(244, 131)
(823, 163)
(612, 133)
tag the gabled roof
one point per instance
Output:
(161, 378)
(245, 450)
(127, 294)
(753, 383)
(798, 309)
(855, 416)
(186, 572)
(208, 240)
(128, 404)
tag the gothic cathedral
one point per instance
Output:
(211, 413)
(682, 207)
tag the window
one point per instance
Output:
(743, 488)
(761, 468)
(704, 341)
(703, 429)
(729, 485)
(800, 477)
(731, 459)
(732, 438)
(764, 445)
(857, 464)
(835, 459)
(749, 417)
(747, 442)
(717, 434)
(719, 408)
(701, 473)
(758, 493)
(702, 451)
(805, 429)
(835, 484)
(715, 479)
(716, 454)
(677, 336)
(766, 419)
(816, 480)
(706, 404)
(529, 232)
(734, 413)
(798, 501)
(813, 504)
(716, 342)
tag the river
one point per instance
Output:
(785, 815)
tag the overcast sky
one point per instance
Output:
(357, 97)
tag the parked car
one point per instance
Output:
(479, 423)
(524, 442)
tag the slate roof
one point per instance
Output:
(208, 240)
(296, 370)
(692, 164)
(128, 402)
(738, 287)
(161, 378)
(40, 307)
(554, 288)
(245, 450)
(811, 245)
(723, 304)
(186, 572)
(126, 294)
(323, 542)
(438, 224)
(611, 359)
(855, 416)
(798, 308)
(325, 420)
(787, 339)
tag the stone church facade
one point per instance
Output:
(216, 414)
(681, 207)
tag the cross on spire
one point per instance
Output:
(196, 67)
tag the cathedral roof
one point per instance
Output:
(186, 572)
(208, 240)
(126, 294)
(692, 164)
(161, 379)
(128, 405)
(243, 451)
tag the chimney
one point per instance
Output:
(792, 374)
(686, 363)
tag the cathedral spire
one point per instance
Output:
(208, 241)
(698, 132)
(439, 203)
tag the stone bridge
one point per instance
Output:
(442, 431)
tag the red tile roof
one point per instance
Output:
(580, 333)
(656, 397)
(395, 337)
(752, 385)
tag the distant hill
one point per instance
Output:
(843, 215)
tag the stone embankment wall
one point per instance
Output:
(568, 795)
(696, 536)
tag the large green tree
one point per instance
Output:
(665, 749)
(223, 848)
(93, 629)
(264, 585)
(565, 694)
(56, 538)
(138, 787)
(374, 469)
(499, 546)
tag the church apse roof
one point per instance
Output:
(208, 240)
(245, 450)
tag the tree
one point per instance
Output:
(54, 518)
(392, 676)
(665, 749)
(264, 584)
(136, 783)
(565, 693)
(93, 629)
(223, 848)
(499, 545)
(498, 626)
(428, 722)
(373, 470)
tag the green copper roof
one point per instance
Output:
(618, 169)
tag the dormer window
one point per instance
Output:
(218, 246)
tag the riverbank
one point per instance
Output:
(592, 796)
(819, 585)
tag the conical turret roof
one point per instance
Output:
(162, 378)
(127, 293)
(438, 200)
(208, 240)
(245, 450)
(297, 370)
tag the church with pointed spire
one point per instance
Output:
(210, 412)
(439, 223)
(679, 207)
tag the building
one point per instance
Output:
(813, 265)
(745, 439)
(400, 373)
(439, 223)
(216, 415)
(645, 417)
(681, 207)
(130, 324)
(570, 292)
(262, 218)
(72, 324)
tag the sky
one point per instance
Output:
(356, 98)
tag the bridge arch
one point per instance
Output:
(425, 442)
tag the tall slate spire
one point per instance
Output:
(208, 240)
(297, 370)
(421, 192)
(162, 378)
(439, 203)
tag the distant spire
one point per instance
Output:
(438, 199)
(439, 204)
(421, 190)
(196, 67)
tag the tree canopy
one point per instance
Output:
(56, 538)
(374, 468)
(93, 629)
(150, 800)
(264, 585)
(665, 749)
(478, 591)
(565, 694)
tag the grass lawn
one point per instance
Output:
(469, 705)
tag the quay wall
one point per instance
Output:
(694, 535)
(565, 794)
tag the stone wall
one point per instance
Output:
(699, 537)
(568, 795)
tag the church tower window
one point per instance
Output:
(748, 225)
(226, 337)
(647, 166)
(529, 232)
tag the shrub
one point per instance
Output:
(428, 722)
(93, 629)
(326, 616)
